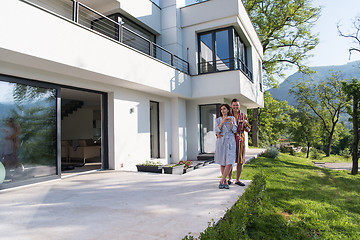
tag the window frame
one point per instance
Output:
(232, 41)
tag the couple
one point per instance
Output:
(230, 148)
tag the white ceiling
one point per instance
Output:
(81, 95)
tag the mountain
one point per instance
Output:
(5, 110)
(347, 71)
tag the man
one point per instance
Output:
(243, 126)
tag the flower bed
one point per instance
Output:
(153, 169)
(150, 166)
(156, 167)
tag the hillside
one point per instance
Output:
(348, 71)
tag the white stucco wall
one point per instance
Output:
(59, 45)
(171, 32)
(195, 19)
(179, 130)
(78, 125)
(132, 128)
(129, 133)
(60, 52)
(148, 13)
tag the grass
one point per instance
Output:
(303, 201)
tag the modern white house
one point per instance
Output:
(114, 83)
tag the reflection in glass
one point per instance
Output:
(222, 50)
(208, 114)
(27, 131)
(206, 53)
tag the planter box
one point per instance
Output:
(153, 169)
(206, 163)
(188, 169)
(174, 170)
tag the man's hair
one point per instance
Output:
(235, 100)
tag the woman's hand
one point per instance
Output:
(224, 120)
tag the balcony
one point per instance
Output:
(225, 65)
(107, 27)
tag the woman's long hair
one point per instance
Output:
(228, 108)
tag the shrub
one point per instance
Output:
(315, 154)
(284, 149)
(292, 151)
(271, 152)
(345, 153)
(287, 149)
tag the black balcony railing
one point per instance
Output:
(225, 65)
(89, 18)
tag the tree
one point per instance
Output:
(275, 118)
(355, 36)
(284, 28)
(326, 100)
(352, 91)
(305, 129)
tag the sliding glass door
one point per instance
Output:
(28, 130)
(208, 114)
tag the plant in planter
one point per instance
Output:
(150, 166)
(173, 169)
(188, 166)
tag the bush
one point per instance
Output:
(315, 154)
(271, 152)
(345, 153)
(304, 149)
(287, 149)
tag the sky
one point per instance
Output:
(333, 49)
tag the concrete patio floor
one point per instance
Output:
(118, 205)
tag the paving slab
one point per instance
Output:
(117, 205)
(334, 166)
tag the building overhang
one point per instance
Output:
(229, 84)
(50, 43)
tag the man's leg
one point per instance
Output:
(230, 176)
(239, 169)
(240, 164)
(237, 159)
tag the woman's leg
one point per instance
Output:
(226, 172)
(222, 168)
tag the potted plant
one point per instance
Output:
(173, 169)
(150, 166)
(188, 166)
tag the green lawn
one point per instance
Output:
(302, 201)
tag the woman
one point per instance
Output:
(225, 151)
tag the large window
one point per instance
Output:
(154, 130)
(28, 137)
(222, 50)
